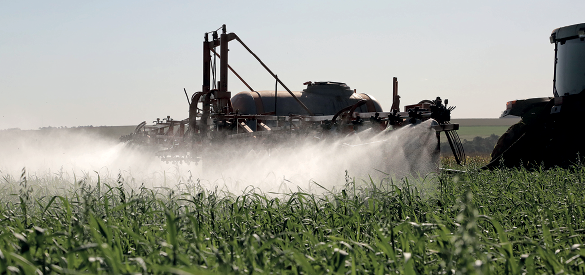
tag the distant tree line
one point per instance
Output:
(64, 127)
(476, 146)
(11, 129)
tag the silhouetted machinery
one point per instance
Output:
(550, 132)
(324, 110)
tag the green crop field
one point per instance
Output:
(470, 132)
(480, 222)
(471, 128)
(479, 136)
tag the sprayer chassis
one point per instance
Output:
(218, 123)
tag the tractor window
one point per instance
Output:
(571, 67)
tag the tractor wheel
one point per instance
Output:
(522, 145)
(508, 138)
(509, 147)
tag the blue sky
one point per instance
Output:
(72, 63)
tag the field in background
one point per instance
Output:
(470, 128)
(483, 127)
(108, 132)
(477, 135)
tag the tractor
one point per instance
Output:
(548, 134)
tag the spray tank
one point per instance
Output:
(549, 133)
(260, 119)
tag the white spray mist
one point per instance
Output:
(72, 156)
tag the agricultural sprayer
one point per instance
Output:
(324, 110)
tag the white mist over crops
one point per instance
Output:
(310, 164)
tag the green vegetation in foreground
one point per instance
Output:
(503, 222)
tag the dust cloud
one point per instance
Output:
(62, 158)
